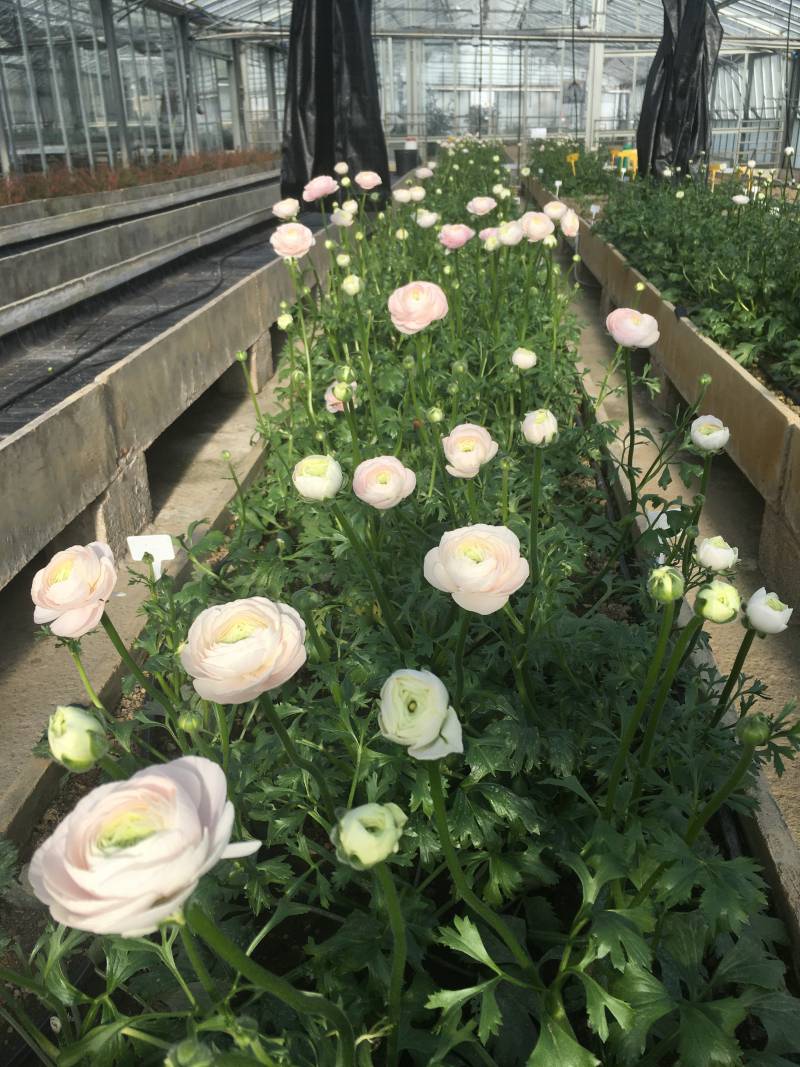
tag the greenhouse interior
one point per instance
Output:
(400, 458)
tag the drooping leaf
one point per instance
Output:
(555, 1046)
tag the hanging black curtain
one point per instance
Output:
(332, 107)
(674, 126)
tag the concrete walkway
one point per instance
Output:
(734, 511)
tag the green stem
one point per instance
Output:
(196, 960)
(459, 658)
(696, 512)
(387, 610)
(733, 676)
(472, 507)
(298, 760)
(74, 651)
(533, 536)
(386, 882)
(301, 1002)
(470, 898)
(687, 635)
(223, 728)
(134, 667)
(636, 716)
(351, 422)
(631, 427)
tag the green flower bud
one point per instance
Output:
(665, 585)
(453, 389)
(284, 322)
(77, 740)
(639, 287)
(717, 601)
(226, 455)
(705, 379)
(459, 367)
(341, 391)
(435, 414)
(754, 730)
(409, 362)
(344, 373)
(190, 721)
(189, 1053)
(242, 357)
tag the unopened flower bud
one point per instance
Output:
(190, 721)
(351, 285)
(242, 357)
(343, 260)
(226, 455)
(344, 373)
(459, 367)
(359, 235)
(77, 740)
(345, 182)
(754, 730)
(284, 322)
(409, 362)
(435, 414)
(452, 389)
(341, 391)
(717, 601)
(639, 287)
(665, 585)
(329, 244)
(550, 241)
(705, 379)
(189, 1053)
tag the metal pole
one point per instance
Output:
(594, 75)
(238, 81)
(56, 88)
(37, 120)
(79, 87)
(117, 97)
(167, 101)
(191, 142)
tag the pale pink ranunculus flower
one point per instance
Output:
(555, 209)
(536, 225)
(415, 306)
(341, 218)
(368, 180)
(423, 172)
(426, 219)
(510, 233)
(235, 652)
(632, 329)
(480, 566)
(455, 235)
(292, 240)
(467, 448)
(402, 196)
(383, 482)
(320, 187)
(417, 194)
(286, 209)
(129, 854)
(487, 232)
(570, 223)
(70, 593)
(481, 205)
(333, 404)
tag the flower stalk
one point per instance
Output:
(386, 882)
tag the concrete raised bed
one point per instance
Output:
(82, 454)
(765, 432)
(45, 280)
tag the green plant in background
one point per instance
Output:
(726, 256)
(423, 773)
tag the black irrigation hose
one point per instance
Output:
(94, 349)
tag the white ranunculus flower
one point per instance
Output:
(416, 713)
(342, 219)
(352, 285)
(766, 613)
(539, 427)
(523, 358)
(417, 194)
(343, 260)
(368, 835)
(426, 219)
(708, 434)
(76, 738)
(340, 168)
(283, 322)
(350, 206)
(317, 477)
(715, 554)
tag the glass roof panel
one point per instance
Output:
(763, 19)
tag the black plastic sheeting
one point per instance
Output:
(674, 127)
(332, 105)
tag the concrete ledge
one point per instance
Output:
(46, 280)
(108, 212)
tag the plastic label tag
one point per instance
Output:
(159, 546)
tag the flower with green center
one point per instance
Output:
(708, 434)
(77, 740)
(415, 712)
(715, 554)
(368, 835)
(539, 427)
(317, 477)
(480, 566)
(766, 613)
(467, 448)
(717, 601)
